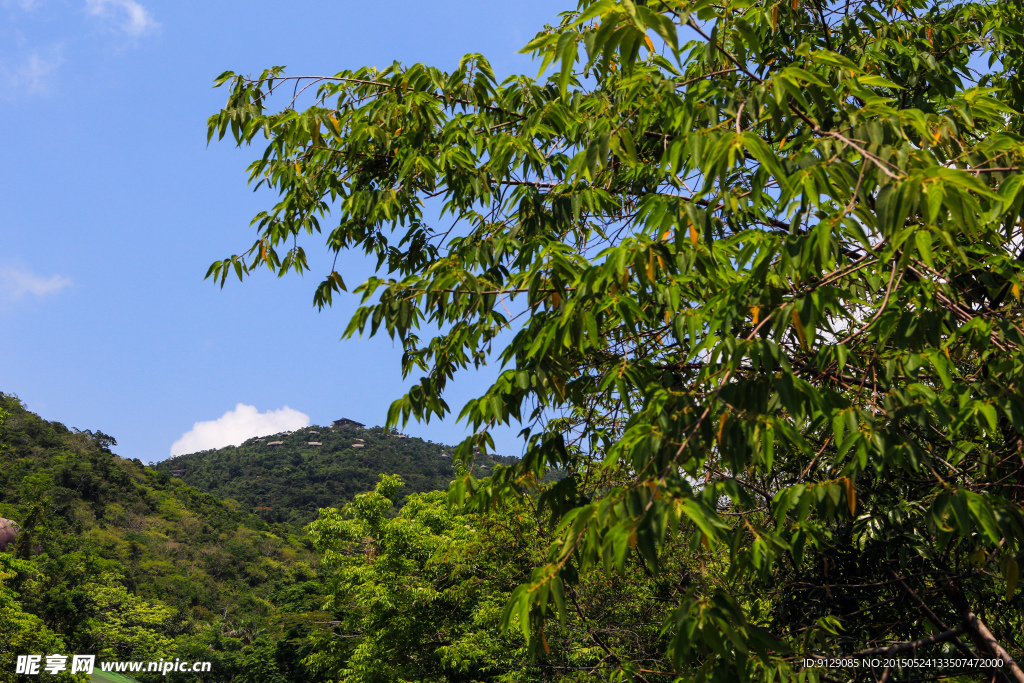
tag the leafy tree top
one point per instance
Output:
(760, 265)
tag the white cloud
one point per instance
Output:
(16, 282)
(235, 426)
(136, 19)
(27, 5)
(32, 72)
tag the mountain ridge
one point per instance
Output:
(285, 479)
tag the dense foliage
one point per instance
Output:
(758, 270)
(125, 562)
(288, 483)
(422, 594)
(130, 563)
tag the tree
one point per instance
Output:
(420, 594)
(760, 265)
(409, 607)
(21, 631)
(126, 626)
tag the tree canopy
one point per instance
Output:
(422, 593)
(757, 271)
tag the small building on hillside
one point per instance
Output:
(358, 445)
(276, 443)
(314, 444)
(177, 473)
(345, 422)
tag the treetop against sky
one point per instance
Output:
(760, 267)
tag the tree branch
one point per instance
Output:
(930, 614)
(981, 636)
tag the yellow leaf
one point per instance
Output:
(1011, 573)
(650, 266)
(721, 424)
(666, 236)
(649, 43)
(755, 312)
(799, 328)
(693, 234)
(851, 494)
(775, 17)
(544, 640)
(1016, 291)
(794, 4)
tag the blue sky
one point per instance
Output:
(113, 207)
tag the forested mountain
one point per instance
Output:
(134, 563)
(288, 482)
(127, 562)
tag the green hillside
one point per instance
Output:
(288, 483)
(130, 563)
(134, 563)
